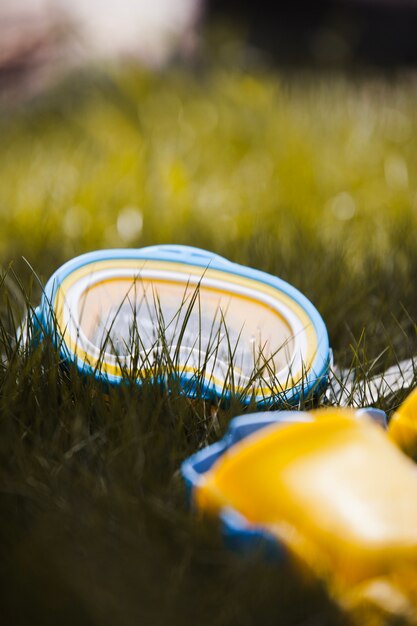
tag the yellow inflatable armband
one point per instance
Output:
(334, 491)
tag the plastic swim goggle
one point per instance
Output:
(219, 327)
(326, 488)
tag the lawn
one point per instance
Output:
(312, 178)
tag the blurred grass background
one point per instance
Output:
(310, 177)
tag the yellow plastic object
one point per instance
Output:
(335, 491)
(402, 428)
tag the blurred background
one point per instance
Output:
(38, 36)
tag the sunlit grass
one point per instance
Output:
(312, 179)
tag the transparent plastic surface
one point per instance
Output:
(124, 316)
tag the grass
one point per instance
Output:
(311, 178)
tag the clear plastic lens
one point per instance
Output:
(127, 317)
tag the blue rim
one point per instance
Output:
(314, 380)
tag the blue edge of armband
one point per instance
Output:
(238, 533)
(314, 381)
